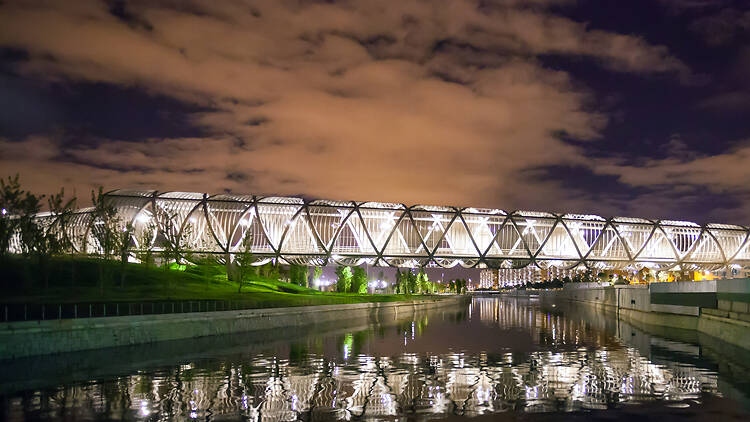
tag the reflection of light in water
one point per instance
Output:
(144, 408)
(270, 388)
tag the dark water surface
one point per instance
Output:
(495, 359)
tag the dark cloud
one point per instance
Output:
(451, 102)
(722, 27)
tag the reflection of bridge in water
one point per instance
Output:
(575, 367)
(321, 231)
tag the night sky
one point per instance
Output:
(636, 108)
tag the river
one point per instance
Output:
(494, 359)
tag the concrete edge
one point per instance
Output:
(31, 338)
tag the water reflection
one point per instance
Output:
(496, 356)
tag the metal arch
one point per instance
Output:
(276, 252)
(244, 212)
(336, 234)
(187, 216)
(431, 253)
(676, 253)
(378, 253)
(689, 254)
(442, 236)
(483, 256)
(572, 239)
(207, 216)
(130, 204)
(313, 229)
(523, 241)
(292, 220)
(628, 252)
(718, 245)
(648, 239)
(681, 258)
(148, 200)
(393, 230)
(743, 245)
(471, 237)
(416, 229)
(544, 242)
(607, 223)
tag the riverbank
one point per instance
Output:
(29, 338)
(81, 366)
(713, 308)
(86, 281)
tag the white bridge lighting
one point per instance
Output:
(319, 232)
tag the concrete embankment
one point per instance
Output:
(29, 338)
(717, 308)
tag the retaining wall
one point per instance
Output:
(30, 338)
(717, 308)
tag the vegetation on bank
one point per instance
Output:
(46, 266)
(76, 281)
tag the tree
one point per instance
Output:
(462, 287)
(411, 282)
(39, 240)
(175, 236)
(243, 261)
(145, 240)
(265, 270)
(11, 196)
(359, 280)
(62, 211)
(105, 230)
(423, 282)
(124, 240)
(298, 274)
(399, 278)
(317, 273)
(274, 272)
(343, 279)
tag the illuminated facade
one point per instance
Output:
(319, 232)
(488, 279)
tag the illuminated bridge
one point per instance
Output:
(322, 232)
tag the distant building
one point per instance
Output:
(509, 277)
(488, 279)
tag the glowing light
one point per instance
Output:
(348, 343)
(375, 236)
(144, 408)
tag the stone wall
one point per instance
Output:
(718, 308)
(30, 338)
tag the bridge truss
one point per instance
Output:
(322, 232)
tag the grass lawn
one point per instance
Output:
(78, 281)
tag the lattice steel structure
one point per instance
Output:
(321, 232)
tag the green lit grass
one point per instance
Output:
(77, 281)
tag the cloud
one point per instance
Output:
(431, 102)
(722, 172)
(735, 100)
(687, 177)
(723, 26)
